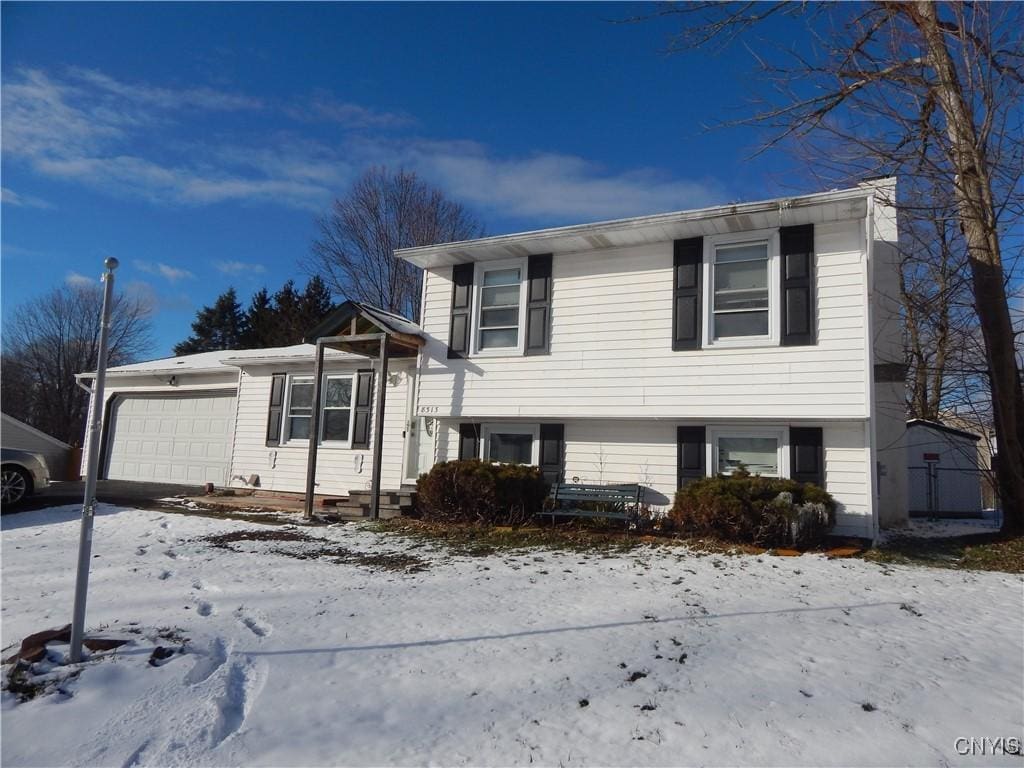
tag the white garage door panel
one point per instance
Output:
(173, 439)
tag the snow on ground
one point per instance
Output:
(655, 657)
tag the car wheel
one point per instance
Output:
(14, 485)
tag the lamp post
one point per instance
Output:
(92, 468)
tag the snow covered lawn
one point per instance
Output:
(381, 650)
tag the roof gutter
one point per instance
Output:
(639, 222)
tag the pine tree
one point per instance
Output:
(220, 326)
(260, 322)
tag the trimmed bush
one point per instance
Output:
(480, 492)
(750, 509)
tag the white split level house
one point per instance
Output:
(648, 350)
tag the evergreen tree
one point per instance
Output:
(315, 303)
(220, 326)
(260, 322)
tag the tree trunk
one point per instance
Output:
(977, 218)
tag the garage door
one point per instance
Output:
(182, 438)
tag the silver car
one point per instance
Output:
(22, 473)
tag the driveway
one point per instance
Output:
(110, 491)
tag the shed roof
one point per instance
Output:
(941, 428)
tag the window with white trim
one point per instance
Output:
(337, 419)
(335, 410)
(300, 407)
(760, 451)
(511, 443)
(742, 294)
(741, 290)
(498, 318)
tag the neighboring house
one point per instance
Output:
(18, 434)
(945, 477)
(650, 350)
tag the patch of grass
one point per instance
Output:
(976, 552)
(306, 547)
(583, 536)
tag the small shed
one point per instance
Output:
(18, 434)
(944, 474)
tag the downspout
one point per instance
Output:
(869, 225)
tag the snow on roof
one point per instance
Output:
(220, 360)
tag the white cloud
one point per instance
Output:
(239, 267)
(84, 127)
(77, 280)
(324, 107)
(166, 98)
(554, 187)
(10, 197)
(172, 274)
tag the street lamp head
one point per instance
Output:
(111, 263)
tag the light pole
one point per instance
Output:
(92, 468)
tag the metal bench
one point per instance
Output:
(627, 498)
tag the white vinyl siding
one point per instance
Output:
(339, 469)
(611, 353)
(614, 451)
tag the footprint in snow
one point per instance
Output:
(165, 575)
(204, 608)
(257, 626)
(208, 663)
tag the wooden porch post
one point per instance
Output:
(314, 429)
(378, 427)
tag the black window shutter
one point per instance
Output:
(462, 293)
(469, 441)
(797, 244)
(687, 273)
(538, 305)
(690, 454)
(552, 450)
(275, 409)
(362, 409)
(806, 455)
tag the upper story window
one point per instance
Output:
(743, 300)
(741, 290)
(336, 408)
(499, 307)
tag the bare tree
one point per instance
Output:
(382, 212)
(928, 91)
(48, 340)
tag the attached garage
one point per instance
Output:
(181, 437)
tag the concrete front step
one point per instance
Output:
(350, 511)
(386, 498)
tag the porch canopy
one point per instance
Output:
(372, 333)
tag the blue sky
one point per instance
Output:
(198, 142)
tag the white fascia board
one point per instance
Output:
(438, 255)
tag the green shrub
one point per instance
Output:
(480, 492)
(750, 509)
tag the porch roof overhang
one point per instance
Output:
(837, 205)
(359, 328)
